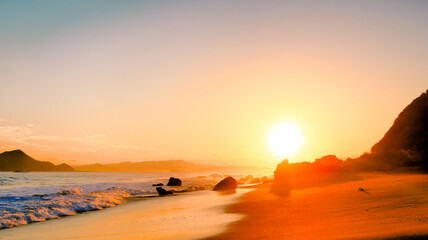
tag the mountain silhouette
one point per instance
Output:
(410, 129)
(17, 160)
(403, 148)
(405, 144)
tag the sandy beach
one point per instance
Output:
(187, 216)
(390, 207)
(393, 206)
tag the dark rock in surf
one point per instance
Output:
(163, 192)
(255, 180)
(228, 183)
(174, 182)
(157, 185)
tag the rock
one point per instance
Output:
(249, 177)
(40, 195)
(268, 181)
(216, 175)
(281, 184)
(404, 145)
(228, 183)
(255, 180)
(163, 192)
(174, 182)
(157, 184)
(265, 178)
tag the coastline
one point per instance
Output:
(192, 215)
(394, 206)
(37, 197)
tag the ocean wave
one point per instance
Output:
(16, 209)
(21, 210)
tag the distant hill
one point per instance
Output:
(17, 160)
(161, 166)
(405, 144)
(146, 166)
(95, 168)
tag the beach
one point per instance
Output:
(393, 206)
(192, 215)
(84, 205)
(377, 206)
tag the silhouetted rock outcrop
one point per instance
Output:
(157, 184)
(174, 182)
(328, 163)
(17, 160)
(163, 192)
(404, 145)
(282, 178)
(228, 183)
(326, 170)
(410, 129)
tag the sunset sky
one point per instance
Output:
(205, 81)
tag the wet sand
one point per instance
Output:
(390, 207)
(187, 216)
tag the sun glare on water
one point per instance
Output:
(285, 140)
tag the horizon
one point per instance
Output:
(107, 82)
(204, 165)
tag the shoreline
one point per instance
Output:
(192, 215)
(36, 197)
(395, 206)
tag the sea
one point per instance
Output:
(28, 197)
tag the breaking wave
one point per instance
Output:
(18, 207)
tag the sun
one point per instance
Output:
(285, 139)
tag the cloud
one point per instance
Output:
(15, 134)
(84, 149)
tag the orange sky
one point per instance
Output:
(129, 81)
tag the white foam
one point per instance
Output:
(25, 205)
